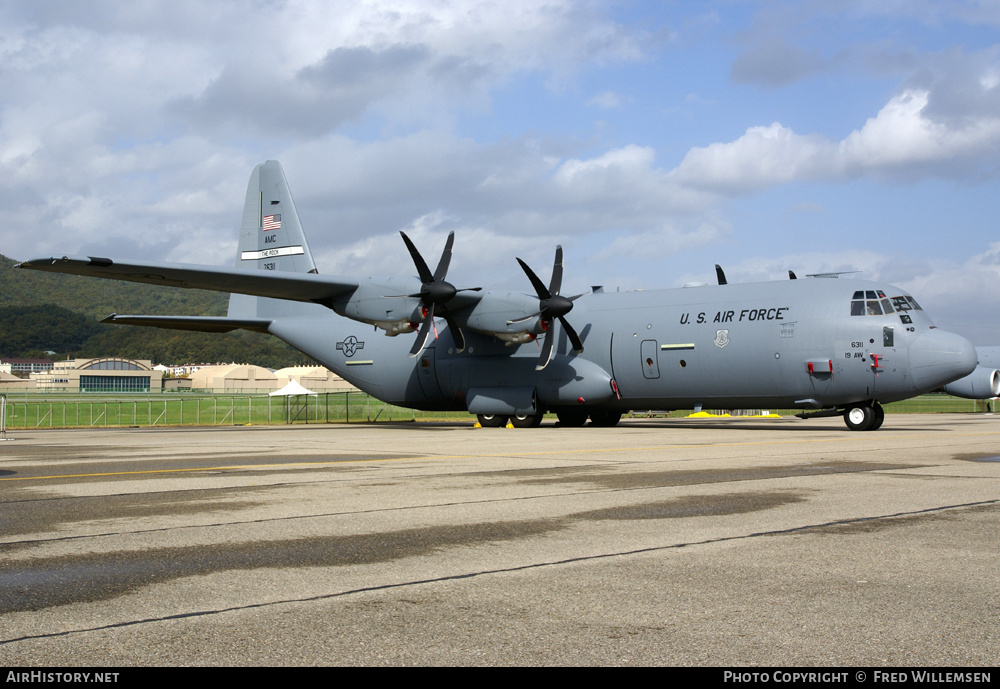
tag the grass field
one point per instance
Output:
(76, 411)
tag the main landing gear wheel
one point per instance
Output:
(605, 417)
(864, 417)
(527, 420)
(879, 416)
(572, 417)
(491, 420)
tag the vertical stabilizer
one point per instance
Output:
(271, 238)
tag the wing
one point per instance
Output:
(305, 287)
(204, 324)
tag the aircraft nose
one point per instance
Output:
(938, 357)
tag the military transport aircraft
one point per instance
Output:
(832, 346)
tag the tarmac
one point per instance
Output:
(658, 542)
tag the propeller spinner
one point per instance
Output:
(552, 307)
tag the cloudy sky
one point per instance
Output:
(651, 139)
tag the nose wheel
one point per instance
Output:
(864, 417)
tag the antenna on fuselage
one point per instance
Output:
(720, 275)
(835, 274)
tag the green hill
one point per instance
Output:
(51, 312)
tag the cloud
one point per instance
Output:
(607, 100)
(112, 114)
(761, 158)
(907, 139)
(775, 62)
(904, 139)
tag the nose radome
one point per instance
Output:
(938, 357)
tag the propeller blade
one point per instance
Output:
(539, 286)
(442, 268)
(456, 333)
(425, 329)
(546, 354)
(557, 271)
(574, 339)
(422, 270)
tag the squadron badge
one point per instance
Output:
(721, 338)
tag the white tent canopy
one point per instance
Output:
(293, 388)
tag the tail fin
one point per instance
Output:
(271, 238)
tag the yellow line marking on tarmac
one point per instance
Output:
(475, 456)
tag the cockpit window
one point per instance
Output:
(874, 302)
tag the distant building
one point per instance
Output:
(104, 374)
(11, 383)
(22, 368)
(243, 378)
(314, 378)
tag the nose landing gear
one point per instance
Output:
(864, 416)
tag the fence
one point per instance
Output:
(74, 411)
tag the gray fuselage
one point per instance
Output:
(788, 344)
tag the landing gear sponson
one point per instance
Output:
(567, 417)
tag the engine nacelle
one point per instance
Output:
(503, 316)
(395, 327)
(383, 303)
(981, 384)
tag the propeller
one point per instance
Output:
(435, 293)
(552, 306)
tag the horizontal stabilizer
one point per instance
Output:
(305, 287)
(205, 324)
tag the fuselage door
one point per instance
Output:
(650, 364)
(427, 375)
(879, 355)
